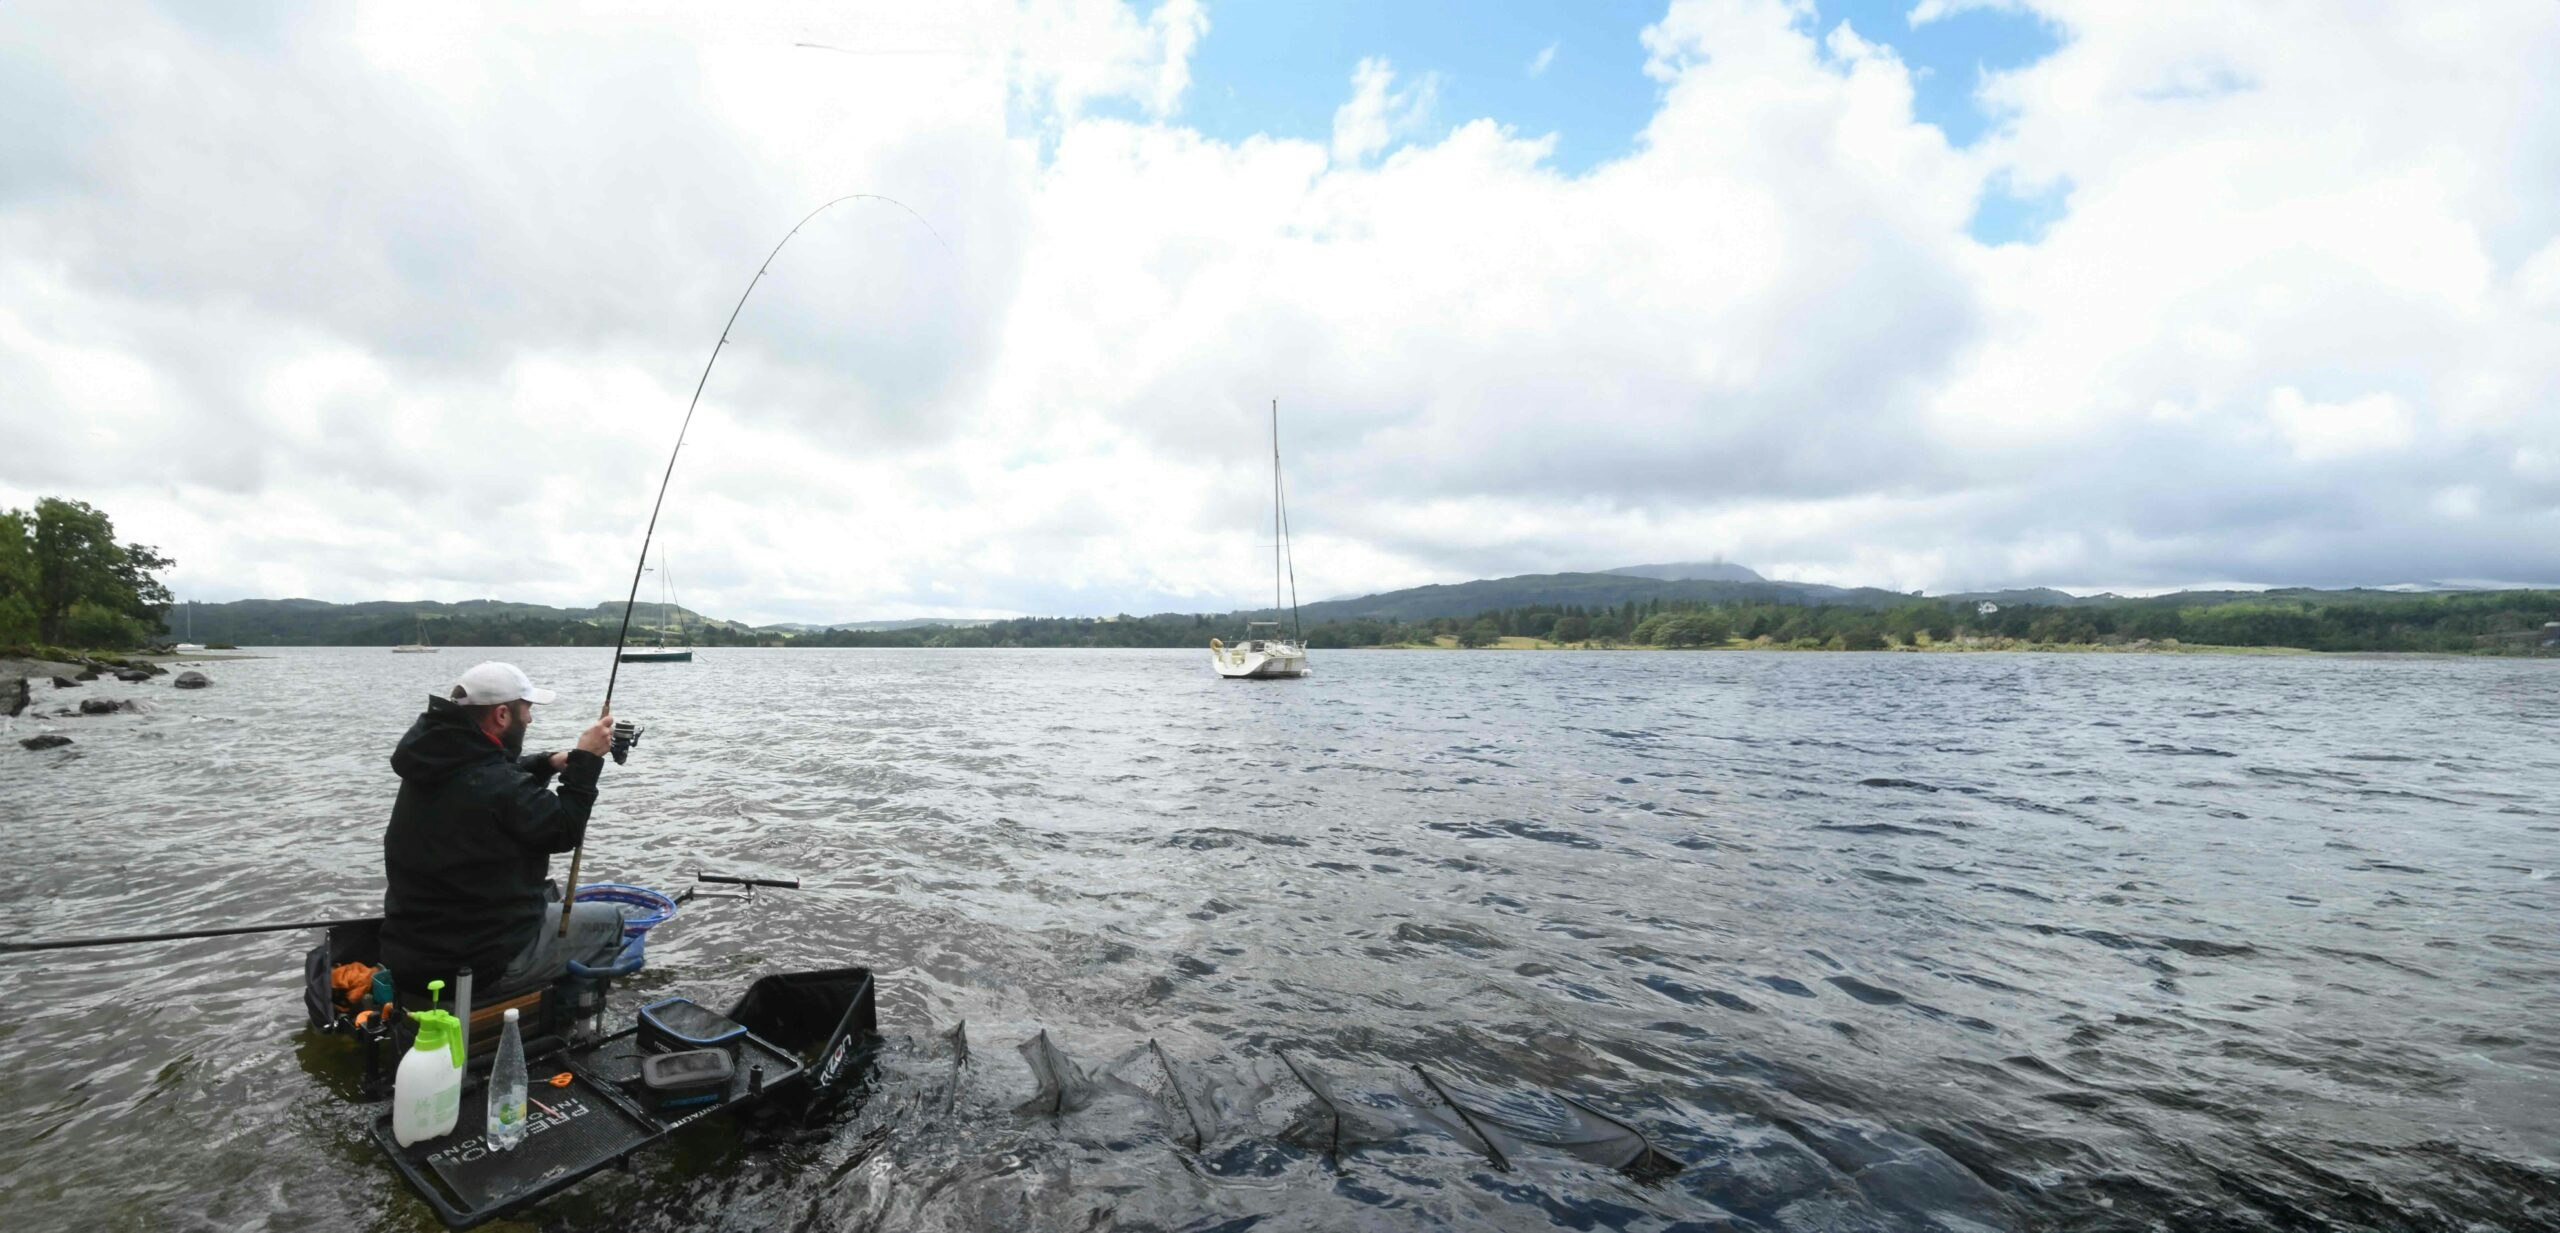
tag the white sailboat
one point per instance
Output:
(660, 652)
(419, 647)
(1268, 656)
(190, 644)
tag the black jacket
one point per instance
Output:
(469, 847)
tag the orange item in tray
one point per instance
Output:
(351, 981)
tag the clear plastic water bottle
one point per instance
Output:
(507, 1090)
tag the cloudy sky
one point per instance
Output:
(394, 300)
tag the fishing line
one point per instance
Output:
(624, 737)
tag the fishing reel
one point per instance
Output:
(626, 737)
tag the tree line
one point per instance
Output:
(472, 623)
(2308, 620)
(66, 581)
(2495, 621)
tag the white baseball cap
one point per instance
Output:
(493, 682)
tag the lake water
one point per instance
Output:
(1861, 941)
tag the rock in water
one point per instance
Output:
(192, 679)
(48, 741)
(13, 697)
(133, 676)
(100, 706)
(64, 682)
(87, 674)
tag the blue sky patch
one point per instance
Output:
(2007, 216)
(1282, 69)
(1575, 70)
(1947, 57)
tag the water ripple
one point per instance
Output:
(1863, 942)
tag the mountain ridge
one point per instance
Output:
(312, 622)
(1692, 571)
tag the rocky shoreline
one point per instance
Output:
(21, 681)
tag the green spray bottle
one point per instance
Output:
(426, 1095)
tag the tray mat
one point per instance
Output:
(616, 1060)
(584, 1130)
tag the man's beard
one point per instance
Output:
(513, 741)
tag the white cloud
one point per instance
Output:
(1377, 113)
(2294, 326)
(1926, 11)
(2323, 432)
(1070, 53)
(1178, 25)
(2538, 281)
(1539, 62)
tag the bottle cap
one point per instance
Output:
(511, 1014)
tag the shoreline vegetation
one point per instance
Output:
(66, 581)
(1959, 646)
(2514, 623)
(2443, 623)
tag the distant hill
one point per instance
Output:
(1691, 571)
(2032, 595)
(477, 622)
(483, 622)
(802, 627)
(1589, 590)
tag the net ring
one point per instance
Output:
(656, 908)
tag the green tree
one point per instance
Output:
(1572, 629)
(1688, 629)
(149, 605)
(65, 556)
(75, 560)
(1683, 629)
(96, 625)
(17, 579)
(1482, 633)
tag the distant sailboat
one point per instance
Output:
(419, 647)
(1270, 656)
(190, 643)
(660, 652)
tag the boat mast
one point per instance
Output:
(668, 576)
(1278, 530)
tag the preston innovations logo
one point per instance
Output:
(554, 1113)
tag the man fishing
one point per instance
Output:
(467, 856)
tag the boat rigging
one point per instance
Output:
(1270, 656)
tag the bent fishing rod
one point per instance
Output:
(626, 734)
